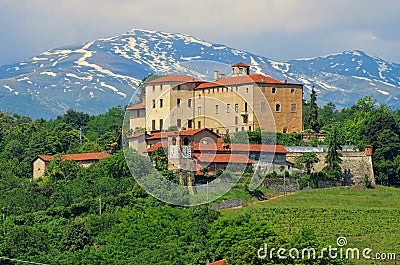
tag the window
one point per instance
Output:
(161, 124)
(178, 102)
(263, 106)
(236, 107)
(154, 88)
(245, 106)
(179, 87)
(273, 90)
(236, 129)
(153, 125)
(137, 112)
(236, 120)
(199, 110)
(178, 123)
(292, 90)
(242, 129)
(249, 128)
(278, 107)
(228, 108)
(154, 103)
(161, 102)
(160, 87)
(200, 95)
(199, 124)
(189, 103)
(190, 123)
(186, 140)
(293, 107)
(216, 109)
(247, 90)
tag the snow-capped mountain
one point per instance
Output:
(95, 76)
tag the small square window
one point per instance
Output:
(293, 108)
(263, 106)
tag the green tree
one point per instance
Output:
(306, 161)
(332, 158)
(312, 119)
(160, 159)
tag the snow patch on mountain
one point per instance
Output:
(97, 75)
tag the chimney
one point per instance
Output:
(368, 150)
(215, 75)
(221, 76)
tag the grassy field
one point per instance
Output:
(368, 218)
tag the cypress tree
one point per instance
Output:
(313, 116)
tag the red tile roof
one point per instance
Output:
(175, 78)
(77, 157)
(268, 148)
(135, 135)
(241, 64)
(239, 80)
(195, 131)
(223, 158)
(155, 146)
(220, 147)
(138, 106)
(160, 135)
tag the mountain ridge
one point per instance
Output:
(97, 75)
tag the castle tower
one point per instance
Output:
(240, 69)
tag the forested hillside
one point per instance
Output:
(100, 215)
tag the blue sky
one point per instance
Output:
(278, 29)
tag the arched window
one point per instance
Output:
(278, 107)
(185, 141)
(173, 140)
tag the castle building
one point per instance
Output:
(241, 102)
